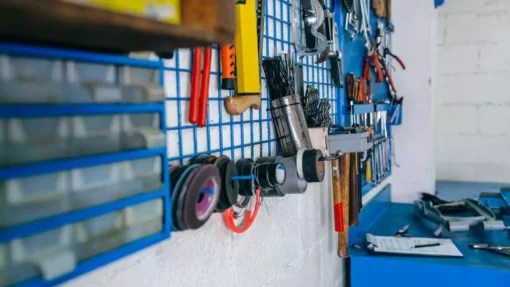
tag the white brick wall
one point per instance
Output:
(472, 127)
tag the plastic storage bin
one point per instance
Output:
(37, 139)
(33, 80)
(56, 252)
(141, 85)
(36, 197)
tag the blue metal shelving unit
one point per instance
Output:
(39, 168)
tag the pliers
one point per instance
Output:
(198, 102)
(387, 52)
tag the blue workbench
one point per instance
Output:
(381, 217)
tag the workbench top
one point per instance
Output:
(385, 219)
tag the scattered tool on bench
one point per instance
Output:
(496, 249)
(200, 87)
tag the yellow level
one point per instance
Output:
(247, 54)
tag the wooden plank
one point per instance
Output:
(67, 24)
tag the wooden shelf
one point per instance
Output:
(204, 22)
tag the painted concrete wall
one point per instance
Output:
(291, 243)
(472, 97)
(415, 42)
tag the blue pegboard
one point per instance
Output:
(252, 133)
(354, 52)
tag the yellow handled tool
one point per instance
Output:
(247, 60)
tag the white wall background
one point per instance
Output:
(473, 100)
(415, 42)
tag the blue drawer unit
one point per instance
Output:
(83, 161)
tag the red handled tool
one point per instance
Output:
(400, 62)
(198, 102)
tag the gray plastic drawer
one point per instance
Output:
(85, 73)
(33, 80)
(31, 198)
(56, 252)
(30, 69)
(30, 140)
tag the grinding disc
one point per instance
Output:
(187, 177)
(177, 177)
(202, 192)
(313, 167)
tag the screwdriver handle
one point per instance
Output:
(195, 84)
(204, 89)
(228, 62)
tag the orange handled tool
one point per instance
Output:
(228, 62)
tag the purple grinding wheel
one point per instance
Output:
(202, 195)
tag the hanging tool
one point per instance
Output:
(198, 100)
(310, 18)
(353, 191)
(333, 52)
(228, 62)
(247, 59)
(340, 170)
(387, 52)
(352, 21)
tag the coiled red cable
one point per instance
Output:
(228, 216)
